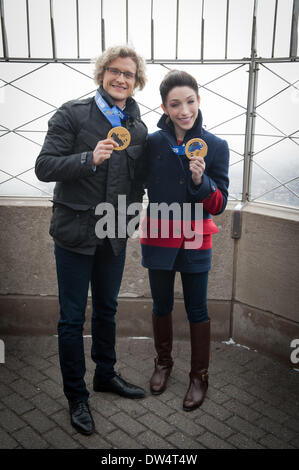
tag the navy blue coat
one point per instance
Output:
(169, 181)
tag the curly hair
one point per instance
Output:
(120, 51)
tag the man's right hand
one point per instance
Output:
(103, 151)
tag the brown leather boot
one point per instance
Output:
(162, 328)
(200, 356)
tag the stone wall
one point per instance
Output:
(253, 293)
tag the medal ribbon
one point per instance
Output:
(114, 115)
(178, 149)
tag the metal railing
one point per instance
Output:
(253, 62)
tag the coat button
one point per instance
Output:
(159, 157)
(182, 181)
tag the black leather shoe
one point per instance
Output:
(81, 417)
(118, 385)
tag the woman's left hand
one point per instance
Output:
(197, 167)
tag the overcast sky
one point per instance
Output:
(223, 88)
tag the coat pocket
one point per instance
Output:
(70, 225)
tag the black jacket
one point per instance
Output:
(66, 158)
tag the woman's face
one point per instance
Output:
(182, 108)
(120, 87)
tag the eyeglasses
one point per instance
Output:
(117, 73)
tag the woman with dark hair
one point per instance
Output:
(187, 166)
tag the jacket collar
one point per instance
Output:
(131, 108)
(196, 131)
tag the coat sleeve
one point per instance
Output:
(56, 161)
(213, 191)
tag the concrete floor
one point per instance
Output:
(252, 401)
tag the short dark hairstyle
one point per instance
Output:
(176, 78)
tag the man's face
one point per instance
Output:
(117, 85)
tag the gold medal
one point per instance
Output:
(196, 148)
(121, 136)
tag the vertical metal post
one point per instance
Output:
(274, 28)
(52, 31)
(294, 30)
(250, 114)
(28, 28)
(177, 29)
(3, 29)
(202, 31)
(226, 28)
(102, 27)
(78, 33)
(152, 31)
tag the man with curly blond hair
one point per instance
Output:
(94, 151)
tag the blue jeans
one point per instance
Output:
(75, 271)
(195, 286)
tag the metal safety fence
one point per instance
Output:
(251, 100)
